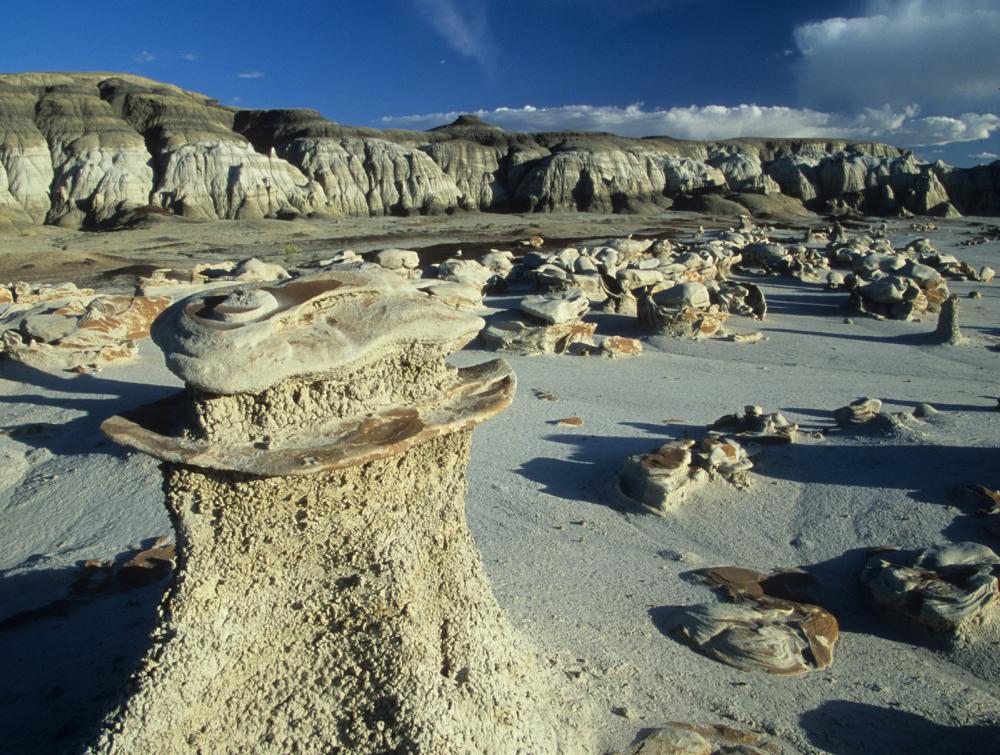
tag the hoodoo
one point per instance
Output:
(328, 593)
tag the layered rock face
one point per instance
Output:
(81, 149)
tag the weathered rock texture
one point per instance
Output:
(346, 609)
(328, 595)
(946, 588)
(764, 629)
(78, 331)
(704, 739)
(84, 149)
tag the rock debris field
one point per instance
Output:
(728, 487)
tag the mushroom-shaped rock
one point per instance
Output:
(328, 595)
(944, 588)
(307, 325)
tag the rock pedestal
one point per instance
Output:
(948, 330)
(328, 595)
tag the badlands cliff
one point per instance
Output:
(91, 150)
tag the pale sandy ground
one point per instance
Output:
(592, 584)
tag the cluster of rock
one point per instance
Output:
(900, 284)
(319, 502)
(882, 281)
(678, 289)
(63, 327)
(659, 480)
(81, 149)
(177, 284)
(761, 628)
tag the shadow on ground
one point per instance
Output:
(843, 727)
(66, 663)
(96, 397)
(595, 460)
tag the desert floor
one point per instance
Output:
(592, 583)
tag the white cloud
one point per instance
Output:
(901, 127)
(144, 57)
(250, 75)
(190, 56)
(942, 54)
(463, 25)
(985, 157)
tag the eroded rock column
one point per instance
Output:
(328, 593)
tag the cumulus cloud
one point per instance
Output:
(144, 57)
(250, 75)
(463, 25)
(985, 157)
(190, 56)
(903, 127)
(942, 54)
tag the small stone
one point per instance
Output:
(569, 422)
(924, 410)
(624, 711)
(755, 337)
(975, 295)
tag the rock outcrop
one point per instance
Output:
(67, 328)
(328, 593)
(86, 149)
(946, 588)
(763, 629)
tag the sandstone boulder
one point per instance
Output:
(945, 588)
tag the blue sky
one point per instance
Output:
(919, 73)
